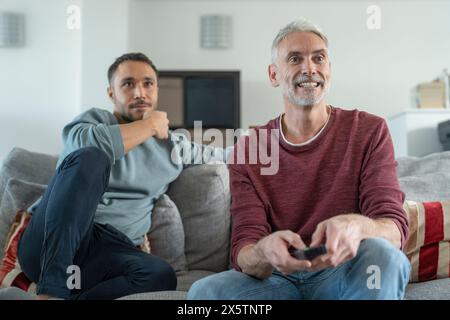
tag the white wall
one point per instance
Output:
(372, 70)
(104, 38)
(39, 83)
(60, 72)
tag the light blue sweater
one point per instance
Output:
(137, 178)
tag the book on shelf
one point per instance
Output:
(432, 95)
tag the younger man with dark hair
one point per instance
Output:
(97, 209)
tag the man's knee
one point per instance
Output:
(203, 289)
(166, 274)
(382, 249)
(381, 253)
(89, 161)
(214, 287)
(379, 271)
(154, 274)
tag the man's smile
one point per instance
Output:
(308, 84)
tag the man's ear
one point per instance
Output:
(110, 93)
(273, 75)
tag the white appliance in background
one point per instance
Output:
(415, 131)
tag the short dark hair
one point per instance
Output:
(133, 56)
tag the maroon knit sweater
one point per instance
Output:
(349, 168)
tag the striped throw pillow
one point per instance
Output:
(428, 245)
(11, 274)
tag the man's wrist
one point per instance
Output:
(259, 255)
(148, 124)
(252, 261)
(382, 227)
(259, 251)
(364, 225)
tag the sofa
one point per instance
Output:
(191, 223)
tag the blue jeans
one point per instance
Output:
(62, 233)
(379, 271)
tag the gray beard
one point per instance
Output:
(309, 100)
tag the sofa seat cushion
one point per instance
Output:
(158, 295)
(429, 290)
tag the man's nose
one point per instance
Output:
(138, 91)
(308, 67)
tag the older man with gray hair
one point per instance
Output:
(336, 189)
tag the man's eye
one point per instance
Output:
(128, 84)
(320, 58)
(294, 59)
(148, 84)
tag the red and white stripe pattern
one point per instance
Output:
(428, 245)
(11, 274)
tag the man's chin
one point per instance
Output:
(138, 113)
(304, 101)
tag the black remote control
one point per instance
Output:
(308, 253)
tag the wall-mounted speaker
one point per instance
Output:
(216, 31)
(12, 29)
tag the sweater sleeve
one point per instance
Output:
(94, 128)
(248, 212)
(380, 193)
(190, 153)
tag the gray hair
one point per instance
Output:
(296, 26)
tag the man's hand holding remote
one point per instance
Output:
(308, 253)
(341, 235)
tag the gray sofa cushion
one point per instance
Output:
(429, 290)
(425, 178)
(159, 295)
(166, 234)
(427, 187)
(202, 195)
(18, 194)
(27, 166)
(418, 166)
